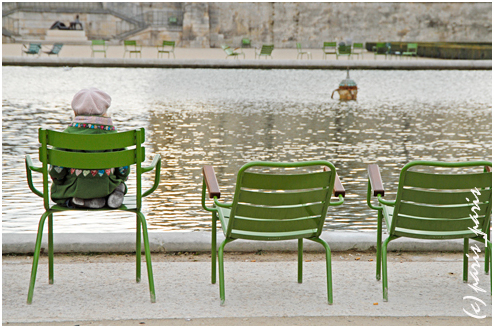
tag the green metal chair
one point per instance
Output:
(381, 48)
(301, 52)
(55, 50)
(344, 50)
(411, 50)
(66, 150)
(98, 46)
(433, 206)
(168, 47)
(358, 49)
(270, 207)
(231, 52)
(131, 47)
(246, 43)
(34, 49)
(265, 51)
(329, 48)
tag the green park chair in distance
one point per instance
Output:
(131, 47)
(100, 151)
(33, 49)
(270, 207)
(344, 50)
(411, 50)
(329, 48)
(55, 50)
(167, 47)
(231, 52)
(358, 49)
(434, 206)
(301, 52)
(266, 50)
(246, 43)
(381, 48)
(98, 46)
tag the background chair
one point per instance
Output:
(246, 43)
(34, 49)
(433, 206)
(168, 47)
(99, 153)
(301, 53)
(98, 46)
(274, 206)
(265, 51)
(344, 50)
(328, 48)
(55, 50)
(231, 52)
(358, 49)
(411, 50)
(381, 48)
(131, 47)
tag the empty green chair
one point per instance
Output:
(55, 50)
(231, 52)
(87, 154)
(265, 51)
(33, 49)
(344, 50)
(272, 206)
(411, 50)
(358, 49)
(131, 47)
(246, 43)
(98, 46)
(434, 206)
(381, 49)
(167, 47)
(328, 48)
(301, 52)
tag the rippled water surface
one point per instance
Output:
(227, 118)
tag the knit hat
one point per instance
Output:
(91, 101)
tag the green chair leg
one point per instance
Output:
(300, 259)
(138, 249)
(221, 269)
(384, 266)
(489, 255)
(37, 250)
(465, 259)
(213, 247)
(487, 258)
(328, 268)
(51, 274)
(148, 257)
(379, 243)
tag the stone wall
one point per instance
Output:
(283, 24)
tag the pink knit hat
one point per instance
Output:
(91, 101)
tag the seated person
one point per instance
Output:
(74, 187)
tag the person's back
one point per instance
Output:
(74, 187)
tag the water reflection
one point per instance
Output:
(226, 118)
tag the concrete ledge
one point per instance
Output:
(23, 243)
(409, 64)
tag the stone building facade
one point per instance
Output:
(211, 24)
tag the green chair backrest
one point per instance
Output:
(169, 43)
(91, 152)
(34, 47)
(329, 45)
(299, 47)
(428, 202)
(266, 49)
(412, 47)
(172, 20)
(56, 48)
(358, 46)
(98, 42)
(246, 42)
(271, 206)
(227, 49)
(381, 48)
(344, 49)
(130, 43)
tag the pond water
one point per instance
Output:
(226, 118)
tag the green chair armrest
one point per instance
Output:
(211, 184)
(375, 179)
(155, 164)
(338, 190)
(30, 167)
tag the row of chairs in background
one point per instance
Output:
(35, 49)
(271, 203)
(265, 50)
(384, 49)
(131, 47)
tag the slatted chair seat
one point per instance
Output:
(89, 152)
(434, 206)
(272, 207)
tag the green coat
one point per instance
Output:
(86, 184)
